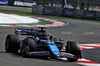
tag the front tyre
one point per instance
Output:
(12, 44)
(73, 48)
(29, 45)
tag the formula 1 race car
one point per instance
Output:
(39, 43)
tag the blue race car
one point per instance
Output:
(39, 43)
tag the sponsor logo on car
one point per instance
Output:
(67, 55)
(40, 53)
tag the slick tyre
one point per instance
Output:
(12, 44)
(73, 48)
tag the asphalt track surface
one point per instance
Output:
(82, 32)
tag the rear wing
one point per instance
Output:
(25, 31)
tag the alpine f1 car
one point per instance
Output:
(39, 43)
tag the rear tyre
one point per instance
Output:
(28, 46)
(12, 44)
(73, 48)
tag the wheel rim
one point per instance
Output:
(27, 50)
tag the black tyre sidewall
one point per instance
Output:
(73, 48)
(12, 41)
(31, 43)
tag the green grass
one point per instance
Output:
(28, 13)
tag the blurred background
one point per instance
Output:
(86, 9)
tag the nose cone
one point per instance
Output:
(54, 49)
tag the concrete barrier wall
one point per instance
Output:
(89, 14)
(68, 12)
(57, 11)
(48, 10)
(79, 13)
(34, 9)
(39, 10)
(98, 15)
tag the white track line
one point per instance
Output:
(14, 19)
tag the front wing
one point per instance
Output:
(47, 53)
